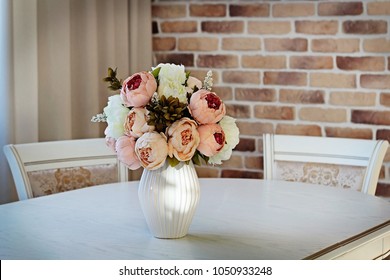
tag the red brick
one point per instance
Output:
(255, 94)
(225, 93)
(377, 45)
(383, 189)
(316, 27)
(168, 11)
(385, 99)
(295, 45)
(375, 81)
(254, 128)
(249, 10)
(340, 9)
(366, 63)
(299, 129)
(164, 43)
(254, 162)
(154, 27)
(371, 117)
(382, 174)
(332, 80)
(217, 61)
(207, 10)
(352, 98)
(246, 145)
(293, 9)
(179, 27)
(228, 173)
(274, 112)
(207, 172)
(269, 27)
(223, 27)
(241, 77)
(378, 8)
(177, 58)
(335, 45)
(311, 62)
(238, 111)
(264, 62)
(317, 114)
(234, 161)
(301, 96)
(383, 134)
(365, 27)
(241, 44)
(347, 132)
(285, 78)
(198, 44)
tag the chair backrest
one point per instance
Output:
(49, 167)
(340, 162)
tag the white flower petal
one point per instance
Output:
(232, 138)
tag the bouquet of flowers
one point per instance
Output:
(166, 114)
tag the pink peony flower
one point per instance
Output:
(193, 82)
(206, 107)
(152, 150)
(126, 154)
(138, 89)
(135, 124)
(212, 139)
(183, 139)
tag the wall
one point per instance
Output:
(297, 67)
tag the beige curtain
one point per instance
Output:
(77, 41)
(59, 52)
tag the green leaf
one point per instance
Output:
(111, 72)
(187, 75)
(155, 72)
(115, 84)
(173, 161)
(205, 158)
(195, 159)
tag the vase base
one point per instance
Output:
(164, 235)
(170, 237)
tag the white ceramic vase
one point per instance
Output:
(169, 197)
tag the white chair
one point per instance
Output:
(339, 162)
(44, 168)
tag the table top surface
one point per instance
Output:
(235, 219)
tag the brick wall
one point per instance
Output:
(304, 67)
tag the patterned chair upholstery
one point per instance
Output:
(338, 162)
(45, 182)
(46, 168)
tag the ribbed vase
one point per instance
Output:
(169, 197)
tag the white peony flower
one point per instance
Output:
(172, 72)
(116, 115)
(171, 81)
(232, 138)
(169, 88)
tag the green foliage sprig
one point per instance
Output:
(115, 84)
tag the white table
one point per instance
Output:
(235, 219)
